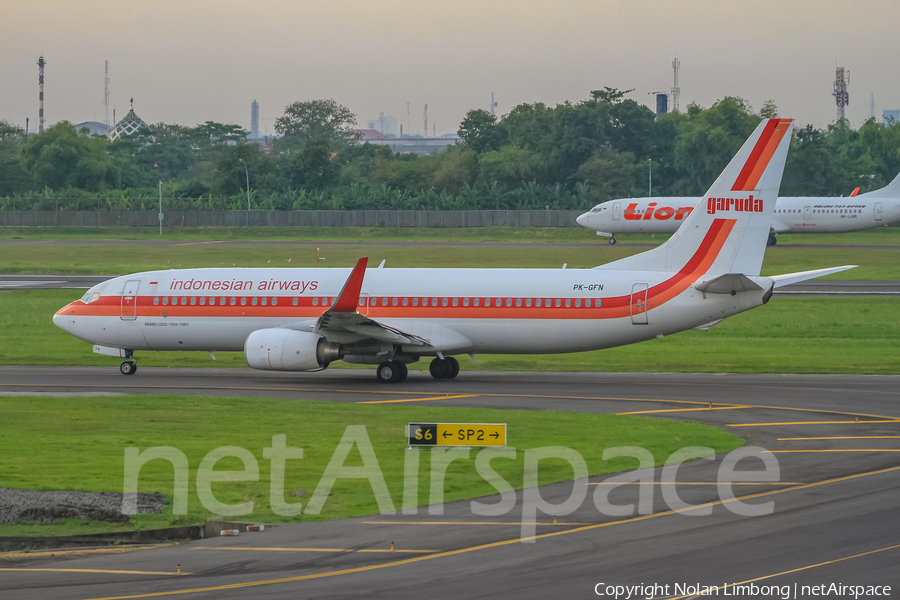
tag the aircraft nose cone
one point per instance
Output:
(582, 219)
(60, 320)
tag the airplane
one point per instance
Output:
(792, 214)
(303, 319)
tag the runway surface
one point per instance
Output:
(836, 440)
(807, 288)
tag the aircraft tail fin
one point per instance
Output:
(891, 190)
(728, 230)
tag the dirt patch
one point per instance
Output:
(46, 507)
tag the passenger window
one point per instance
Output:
(202, 301)
(443, 302)
(165, 300)
(475, 302)
(558, 302)
(578, 303)
(315, 301)
(568, 302)
(518, 302)
(415, 301)
(465, 301)
(393, 302)
(254, 301)
(528, 302)
(263, 301)
(537, 302)
(384, 301)
(274, 301)
(406, 302)
(222, 301)
(243, 301)
(295, 301)
(456, 302)
(184, 300)
(233, 301)
(193, 300)
(434, 301)
(487, 302)
(155, 300)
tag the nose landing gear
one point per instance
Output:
(612, 240)
(128, 367)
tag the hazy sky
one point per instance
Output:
(188, 61)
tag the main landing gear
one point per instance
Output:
(771, 241)
(444, 368)
(128, 367)
(392, 371)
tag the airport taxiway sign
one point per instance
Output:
(457, 434)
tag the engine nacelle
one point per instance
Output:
(288, 350)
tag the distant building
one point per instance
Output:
(254, 120)
(383, 124)
(407, 145)
(890, 117)
(95, 128)
(127, 126)
(368, 135)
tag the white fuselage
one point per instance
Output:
(457, 310)
(792, 214)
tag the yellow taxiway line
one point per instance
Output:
(845, 437)
(419, 399)
(94, 571)
(695, 483)
(387, 550)
(668, 410)
(813, 423)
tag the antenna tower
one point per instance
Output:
(106, 94)
(425, 134)
(41, 63)
(841, 96)
(676, 91)
(872, 107)
(493, 105)
(408, 130)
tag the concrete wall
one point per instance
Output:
(305, 218)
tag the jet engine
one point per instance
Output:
(289, 350)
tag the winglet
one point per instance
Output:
(348, 299)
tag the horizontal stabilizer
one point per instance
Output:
(789, 278)
(730, 283)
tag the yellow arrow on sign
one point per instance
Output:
(471, 434)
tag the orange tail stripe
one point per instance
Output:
(761, 155)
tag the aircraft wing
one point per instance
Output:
(342, 318)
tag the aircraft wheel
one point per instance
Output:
(612, 241)
(389, 372)
(404, 371)
(454, 367)
(128, 367)
(440, 369)
(771, 241)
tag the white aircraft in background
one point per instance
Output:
(302, 319)
(792, 214)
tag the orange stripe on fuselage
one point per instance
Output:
(761, 155)
(611, 307)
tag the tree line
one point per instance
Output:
(569, 156)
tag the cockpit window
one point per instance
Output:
(90, 297)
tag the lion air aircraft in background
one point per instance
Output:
(302, 319)
(792, 215)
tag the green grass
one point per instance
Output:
(312, 234)
(788, 335)
(880, 264)
(79, 443)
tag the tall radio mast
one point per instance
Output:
(106, 94)
(676, 91)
